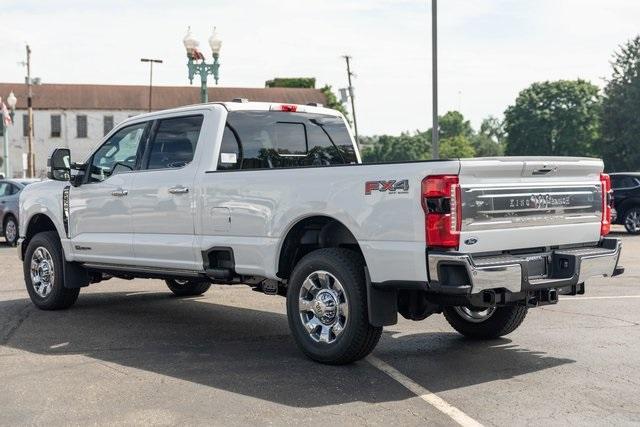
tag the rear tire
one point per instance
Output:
(327, 307)
(44, 273)
(631, 220)
(187, 288)
(497, 322)
(10, 230)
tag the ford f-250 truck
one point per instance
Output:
(275, 196)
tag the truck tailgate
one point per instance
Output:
(521, 203)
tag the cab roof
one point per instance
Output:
(245, 105)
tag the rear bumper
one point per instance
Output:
(461, 274)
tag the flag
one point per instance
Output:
(6, 117)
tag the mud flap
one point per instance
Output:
(75, 276)
(382, 304)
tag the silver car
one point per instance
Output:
(9, 193)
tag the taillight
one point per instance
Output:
(607, 201)
(443, 210)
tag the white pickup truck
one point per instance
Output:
(275, 196)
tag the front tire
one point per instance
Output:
(327, 307)
(631, 220)
(44, 274)
(187, 288)
(485, 324)
(10, 229)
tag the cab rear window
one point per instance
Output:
(270, 140)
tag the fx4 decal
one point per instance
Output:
(392, 186)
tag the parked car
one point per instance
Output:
(274, 196)
(9, 192)
(626, 200)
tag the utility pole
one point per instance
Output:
(435, 151)
(353, 103)
(31, 159)
(151, 61)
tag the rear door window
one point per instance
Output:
(174, 143)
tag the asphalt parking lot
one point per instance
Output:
(130, 353)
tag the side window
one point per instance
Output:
(81, 126)
(174, 143)
(230, 154)
(283, 140)
(624, 181)
(118, 154)
(56, 126)
(4, 189)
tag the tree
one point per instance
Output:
(453, 124)
(333, 101)
(621, 110)
(489, 141)
(558, 118)
(387, 148)
(456, 146)
(300, 82)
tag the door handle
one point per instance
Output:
(179, 189)
(119, 193)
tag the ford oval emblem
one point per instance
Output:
(471, 241)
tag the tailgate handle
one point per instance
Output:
(542, 171)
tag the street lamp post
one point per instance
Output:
(151, 62)
(197, 63)
(11, 102)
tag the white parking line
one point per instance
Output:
(607, 297)
(441, 405)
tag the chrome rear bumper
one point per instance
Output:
(522, 272)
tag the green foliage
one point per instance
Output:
(453, 124)
(300, 82)
(489, 141)
(457, 139)
(456, 146)
(333, 101)
(558, 118)
(387, 148)
(621, 110)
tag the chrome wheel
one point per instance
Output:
(42, 272)
(474, 316)
(323, 307)
(11, 231)
(632, 221)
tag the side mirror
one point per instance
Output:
(59, 165)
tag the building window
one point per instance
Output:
(108, 124)
(56, 127)
(81, 126)
(25, 125)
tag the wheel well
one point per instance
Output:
(37, 224)
(310, 234)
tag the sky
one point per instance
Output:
(489, 50)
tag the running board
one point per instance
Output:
(145, 271)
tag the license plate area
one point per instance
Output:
(537, 267)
